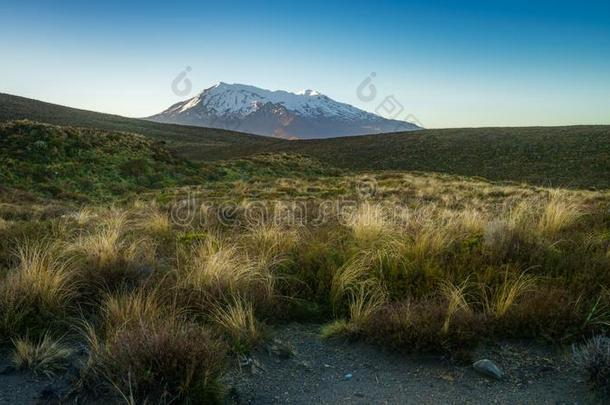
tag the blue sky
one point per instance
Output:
(449, 64)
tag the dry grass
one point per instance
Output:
(161, 362)
(353, 273)
(166, 298)
(430, 242)
(557, 215)
(269, 240)
(83, 216)
(456, 301)
(153, 221)
(149, 350)
(38, 289)
(103, 247)
(369, 222)
(216, 264)
(44, 356)
(238, 321)
(142, 306)
(500, 300)
(364, 301)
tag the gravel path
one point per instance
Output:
(297, 367)
(300, 368)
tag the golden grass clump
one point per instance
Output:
(364, 301)
(44, 272)
(558, 213)
(83, 216)
(354, 272)
(237, 319)
(270, 240)
(142, 306)
(456, 301)
(40, 288)
(502, 298)
(471, 221)
(430, 242)
(103, 246)
(153, 221)
(216, 268)
(44, 356)
(369, 222)
(216, 263)
(111, 254)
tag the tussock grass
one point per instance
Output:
(44, 356)
(161, 305)
(83, 216)
(558, 214)
(216, 264)
(147, 350)
(111, 254)
(500, 300)
(270, 240)
(238, 321)
(456, 301)
(152, 220)
(142, 306)
(364, 301)
(369, 222)
(163, 362)
(103, 247)
(353, 273)
(38, 289)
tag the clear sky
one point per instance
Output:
(449, 63)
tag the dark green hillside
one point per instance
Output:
(77, 163)
(81, 164)
(192, 142)
(577, 156)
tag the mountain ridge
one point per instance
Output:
(307, 114)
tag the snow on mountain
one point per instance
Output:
(306, 114)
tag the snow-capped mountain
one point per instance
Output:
(304, 115)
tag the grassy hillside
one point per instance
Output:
(79, 163)
(552, 156)
(577, 156)
(71, 163)
(193, 142)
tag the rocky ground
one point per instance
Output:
(298, 368)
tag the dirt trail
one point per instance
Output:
(330, 372)
(297, 367)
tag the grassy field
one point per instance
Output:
(153, 273)
(164, 286)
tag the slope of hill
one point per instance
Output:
(305, 115)
(193, 142)
(71, 163)
(79, 163)
(577, 156)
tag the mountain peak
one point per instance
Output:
(306, 114)
(309, 92)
